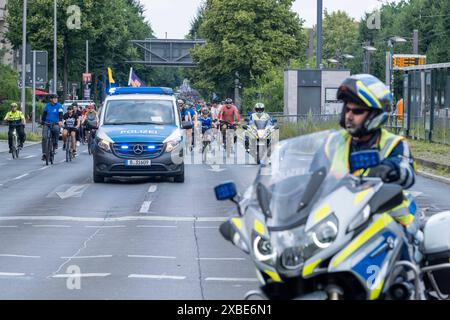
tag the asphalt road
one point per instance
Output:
(128, 238)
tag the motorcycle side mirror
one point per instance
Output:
(247, 120)
(226, 230)
(274, 121)
(364, 160)
(264, 199)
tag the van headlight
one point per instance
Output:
(104, 145)
(172, 145)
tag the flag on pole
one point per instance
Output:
(134, 80)
(110, 77)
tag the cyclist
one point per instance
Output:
(52, 115)
(71, 125)
(90, 120)
(190, 116)
(227, 115)
(16, 120)
(77, 111)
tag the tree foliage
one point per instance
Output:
(250, 37)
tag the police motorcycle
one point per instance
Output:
(258, 137)
(314, 235)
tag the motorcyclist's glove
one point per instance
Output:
(386, 172)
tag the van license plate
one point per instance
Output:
(138, 163)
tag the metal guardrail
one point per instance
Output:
(434, 128)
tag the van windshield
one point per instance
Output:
(139, 112)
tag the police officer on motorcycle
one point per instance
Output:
(258, 114)
(366, 104)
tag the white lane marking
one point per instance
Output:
(222, 259)
(18, 256)
(28, 157)
(232, 279)
(197, 227)
(81, 275)
(147, 226)
(73, 191)
(416, 194)
(43, 168)
(149, 257)
(152, 188)
(145, 207)
(21, 176)
(62, 161)
(50, 226)
(9, 226)
(157, 277)
(104, 227)
(125, 218)
(11, 274)
(89, 257)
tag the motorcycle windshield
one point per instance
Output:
(295, 176)
(261, 124)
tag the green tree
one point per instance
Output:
(246, 36)
(109, 25)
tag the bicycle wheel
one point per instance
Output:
(68, 148)
(48, 146)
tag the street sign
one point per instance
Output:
(408, 60)
(41, 68)
(87, 78)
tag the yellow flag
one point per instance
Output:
(111, 80)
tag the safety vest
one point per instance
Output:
(264, 116)
(341, 142)
(14, 116)
(340, 164)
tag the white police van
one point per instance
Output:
(140, 134)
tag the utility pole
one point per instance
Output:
(319, 34)
(24, 55)
(416, 41)
(34, 93)
(55, 49)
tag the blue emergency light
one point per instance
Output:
(140, 90)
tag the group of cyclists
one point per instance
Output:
(76, 123)
(224, 116)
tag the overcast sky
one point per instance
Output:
(174, 16)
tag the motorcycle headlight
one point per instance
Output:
(261, 134)
(323, 235)
(292, 258)
(172, 145)
(263, 250)
(104, 145)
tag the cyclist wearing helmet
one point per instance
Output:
(71, 125)
(16, 120)
(52, 115)
(227, 115)
(90, 120)
(78, 113)
(366, 103)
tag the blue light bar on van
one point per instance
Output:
(140, 90)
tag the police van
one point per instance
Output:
(140, 134)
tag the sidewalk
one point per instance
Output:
(4, 145)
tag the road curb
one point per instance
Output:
(434, 177)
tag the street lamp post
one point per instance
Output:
(55, 48)
(368, 50)
(391, 43)
(24, 55)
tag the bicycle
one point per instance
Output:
(228, 139)
(15, 148)
(69, 151)
(49, 145)
(90, 139)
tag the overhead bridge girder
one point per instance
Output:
(166, 52)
